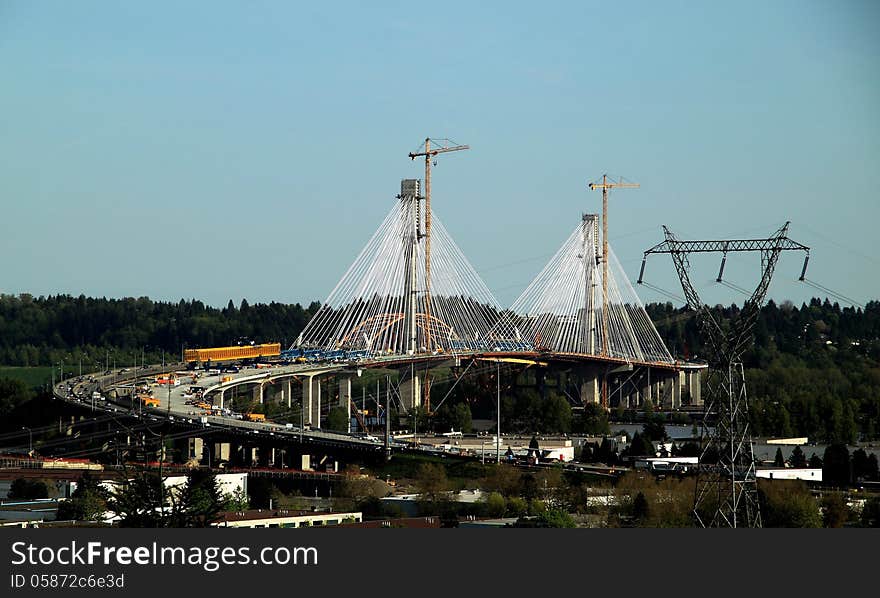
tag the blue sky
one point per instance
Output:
(222, 150)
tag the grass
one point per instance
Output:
(32, 376)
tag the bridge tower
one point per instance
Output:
(411, 228)
(381, 305)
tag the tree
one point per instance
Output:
(871, 513)
(431, 482)
(640, 509)
(87, 503)
(200, 501)
(556, 415)
(594, 420)
(503, 479)
(555, 518)
(494, 505)
(26, 489)
(516, 506)
(779, 460)
(837, 468)
(338, 420)
(654, 428)
(815, 461)
(12, 394)
(640, 446)
(606, 452)
(872, 472)
(237, 501)
(455, 417)
(834, 510)
(787, 503)
(863, 466)
(142, 501)
(798, 459)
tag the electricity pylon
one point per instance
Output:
(726, 491)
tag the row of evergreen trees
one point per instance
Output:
(814, 370)
(46, 330)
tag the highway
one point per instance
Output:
(79, 391)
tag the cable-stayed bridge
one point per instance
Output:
(412, 302)
(402, 302)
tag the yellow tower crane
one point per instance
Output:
(445, 146)
(605, 185)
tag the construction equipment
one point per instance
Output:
(232, 353)
(605, 185)
(358, 416)
(429, 154)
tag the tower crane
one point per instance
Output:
(442, 146)
(605, 185)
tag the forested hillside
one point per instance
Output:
(814, 369)
(46, 330)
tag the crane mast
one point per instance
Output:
(605, 185)
(429, 154)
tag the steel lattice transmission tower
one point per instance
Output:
(726, 491)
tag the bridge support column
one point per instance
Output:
(644, 395)
(590, 391)
(677, 384)
(312, 401)
(411, 393)
(693, 383)
(222, 395)
(222, 451)
(195, 447)
(345, 398)
(671, 391)
(287, 392)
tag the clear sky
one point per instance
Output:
(222, 150)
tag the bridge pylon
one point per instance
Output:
(569, 308)
(381, 305)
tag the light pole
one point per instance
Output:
(30, 441)
(498, 429)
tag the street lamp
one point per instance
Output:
(30, 440)
(498, 434)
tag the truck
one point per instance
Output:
(150, 402)
(255, 417)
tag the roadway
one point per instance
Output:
(178, 405)
(79, 391)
